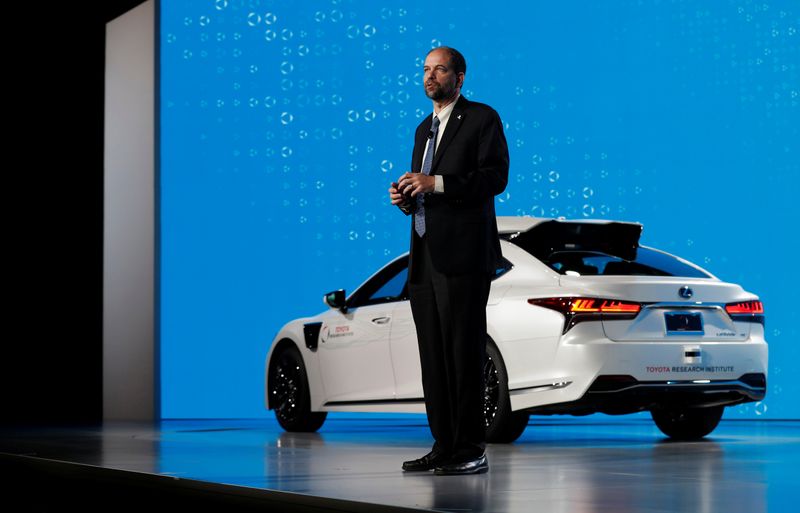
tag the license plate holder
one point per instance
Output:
(684, 323)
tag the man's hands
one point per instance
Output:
(409, 185)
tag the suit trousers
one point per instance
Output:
(450, 316)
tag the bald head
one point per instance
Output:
(457, 61)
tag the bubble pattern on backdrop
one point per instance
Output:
(284, 122)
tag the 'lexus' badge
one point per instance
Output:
(685, 292)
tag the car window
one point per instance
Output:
(648, 262)
(504, 267)
(391, 284)
(392, 290)
(388, 285)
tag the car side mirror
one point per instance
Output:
(336, 299)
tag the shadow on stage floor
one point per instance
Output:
(566, 464)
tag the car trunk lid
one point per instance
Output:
(673, 308)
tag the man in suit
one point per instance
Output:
(460, 160)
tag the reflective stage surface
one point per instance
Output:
(564, 464)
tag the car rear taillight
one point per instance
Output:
(578, 309)
(748, 311)
(745, 307)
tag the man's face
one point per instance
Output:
(439, 80)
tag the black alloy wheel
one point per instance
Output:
(502, 424)
(289, 394)
(683, 423)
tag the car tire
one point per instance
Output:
(289, 393)
(502, 424)
(687, 423)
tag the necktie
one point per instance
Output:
(419, 215)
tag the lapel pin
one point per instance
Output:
(459, 116)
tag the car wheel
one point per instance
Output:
(687, 423)
(502, 424)
(289, 395)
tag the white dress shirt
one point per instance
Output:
(444, 116)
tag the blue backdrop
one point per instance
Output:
(283, 123)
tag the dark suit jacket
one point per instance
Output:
(472, 157)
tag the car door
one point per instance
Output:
(405, 353)
(405, 348)
(354, 352)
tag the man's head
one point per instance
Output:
(444, 71)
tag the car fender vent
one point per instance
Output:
(311, 334)
(612, 382)
(755, 380)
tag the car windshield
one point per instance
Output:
(647, 262)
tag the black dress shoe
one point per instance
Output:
(476, 466)
(428, 462)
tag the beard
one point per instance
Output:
(440, 92)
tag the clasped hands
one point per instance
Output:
(409, 185)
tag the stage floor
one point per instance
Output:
(562, 464)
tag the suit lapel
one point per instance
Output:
(419, 145)
(453, 124)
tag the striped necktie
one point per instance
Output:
(419, 215)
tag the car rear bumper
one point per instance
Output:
(622, 394)
(545, 372)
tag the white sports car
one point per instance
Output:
(580, 319)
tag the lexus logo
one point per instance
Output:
(685, 292)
